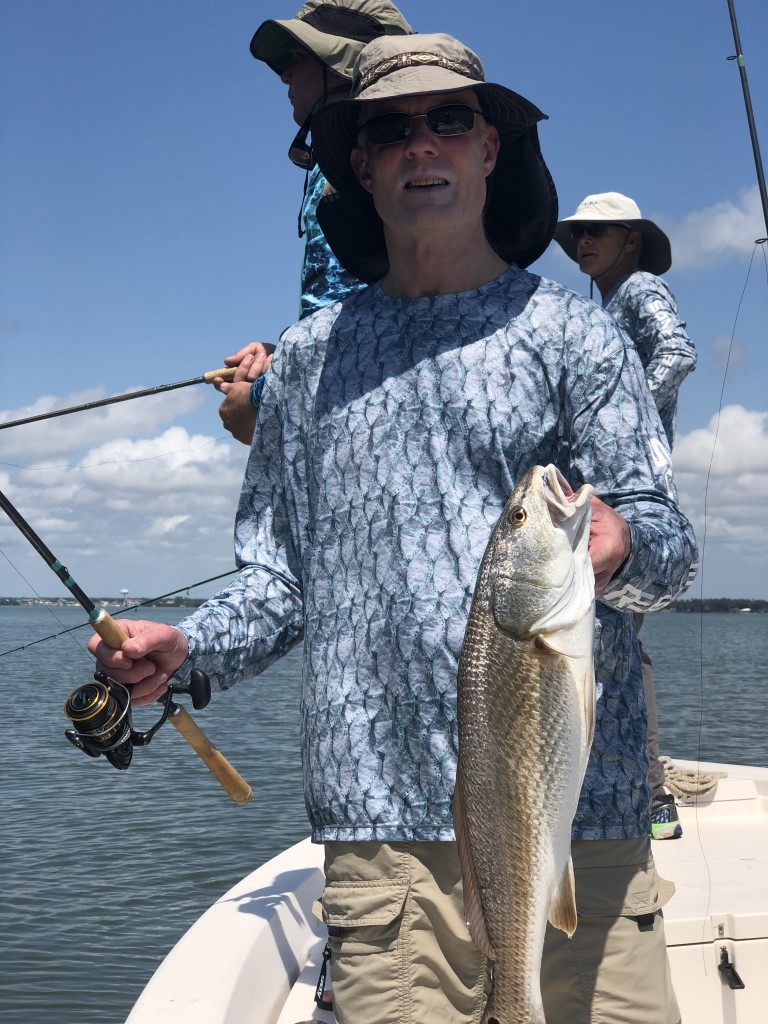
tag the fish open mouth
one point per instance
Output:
(567, 508)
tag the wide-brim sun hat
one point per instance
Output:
(335, 31)
(521, 209)
(615, 208)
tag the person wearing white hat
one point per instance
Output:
(313, 53)
(392, 427)
(623, 254)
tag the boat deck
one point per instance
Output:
(255, 955)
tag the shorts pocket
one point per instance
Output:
(619, 892)
(363, 917)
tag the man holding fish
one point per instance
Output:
(398, 428)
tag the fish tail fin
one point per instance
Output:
(562, 910)
(473, 907)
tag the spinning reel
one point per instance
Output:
(101, 715)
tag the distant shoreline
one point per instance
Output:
(106, 602)
(708, 604)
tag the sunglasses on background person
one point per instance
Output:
(445, 121)
(596, 230)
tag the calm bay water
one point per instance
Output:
(104, 870)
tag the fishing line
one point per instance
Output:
(48, 607)
(702, 688)
(126, 608)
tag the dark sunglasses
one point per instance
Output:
(595, 230)
(445, 121)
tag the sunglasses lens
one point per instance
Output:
(446, 121)
(384, 129)
(452, 119)
(593, 230)
(299, 153)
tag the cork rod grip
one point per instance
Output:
(226, 372)
(230, 780)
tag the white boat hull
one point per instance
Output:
(254, 956)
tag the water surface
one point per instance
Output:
(105, 870)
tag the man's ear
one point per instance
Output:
(634, 241)
(362, 168)
(491, 148)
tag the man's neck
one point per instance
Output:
(607, 281)
(435, 268)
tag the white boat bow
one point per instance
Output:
(254, 957)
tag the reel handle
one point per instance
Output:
(230, 780)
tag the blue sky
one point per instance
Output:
(149, 229)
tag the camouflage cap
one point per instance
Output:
(334, 31)
(521, 211)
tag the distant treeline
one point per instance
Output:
(108, 602)
(708, 604)
(718, 604)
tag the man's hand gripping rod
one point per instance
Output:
(109, 631)
(231, 781)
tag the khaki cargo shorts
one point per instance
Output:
(615, 968)
(401, 953)
(400, 949)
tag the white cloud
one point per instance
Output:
(156, 512)
(707, 237)
(51, 439)
(152, 513)
(721, 472)
(727, 352)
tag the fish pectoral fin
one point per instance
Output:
(589, 696)
(562, 910)
(473, 906)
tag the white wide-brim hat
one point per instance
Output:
(614, 208)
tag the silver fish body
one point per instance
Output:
(526, 705)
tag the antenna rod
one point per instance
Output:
(750, 116)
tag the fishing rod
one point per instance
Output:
(226, 373)
(126, 608)
(101, 711)
(739, 58)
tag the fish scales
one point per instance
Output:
(525, 718)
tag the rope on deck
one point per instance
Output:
(688, 782)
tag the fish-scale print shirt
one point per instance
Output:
(644, 306)
(391, 433)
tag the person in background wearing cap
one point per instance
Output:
(313, 53)
(623, 254)
(392, 427)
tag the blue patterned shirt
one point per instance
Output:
(323, 279)
(645, 307)
(390, 435)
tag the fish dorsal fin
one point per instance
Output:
(473, 907)
(562, 910)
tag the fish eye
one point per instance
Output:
(517, 516)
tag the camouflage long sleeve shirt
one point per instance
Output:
(390, 434)
(323, 279)
(646, 309)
